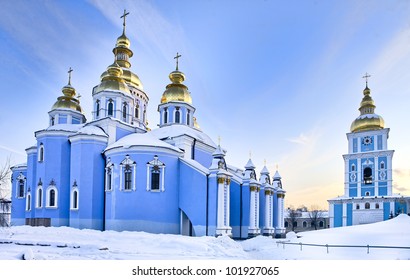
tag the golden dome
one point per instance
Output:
(123, 41)
(176, 91)
(367, 120)
(112, 80)
(67, 101)
(132, 78)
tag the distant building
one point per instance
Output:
(368, 196)
(303, 220)
(5, 212)
(115, 173)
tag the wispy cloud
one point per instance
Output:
(150, 28)
(11, 150)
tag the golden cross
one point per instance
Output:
(219, 137)
(366, 76)
(277, 167)
(124, 16)
(264, 161)
(178, 56)
(69, 75)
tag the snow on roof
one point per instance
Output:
(19, 165)
(265, 170)
(250, 165)
(65, 127)
(140, 139)
(92, 130)
(179, 130)
(369, 116)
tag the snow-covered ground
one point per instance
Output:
(65, 243)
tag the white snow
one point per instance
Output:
(63, 243)
(92, 130)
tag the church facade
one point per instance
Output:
(368, 181)
(114, 173)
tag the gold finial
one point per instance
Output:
(219, 140)
(178, 56)
(69, 75)
(250, 154)
(124, 16)
(79, 96)
(366, 76)
(264, 161)
(277, 167)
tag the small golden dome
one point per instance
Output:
(367, 120)
(112, 80)
(123, 42)
(176, 91)
(67, 101)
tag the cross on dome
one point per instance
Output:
(176, 58)
(366, 76)
(124, 16)
(69, 75)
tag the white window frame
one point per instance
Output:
(39, 202)
(109, 167)
(74, 190)
(40, 157)
(133, 164)
(52, 187)
(18, 179)
(150, 166)
(28, 202)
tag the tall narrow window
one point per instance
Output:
(377, 206)
(51, 195)
(188, 117)
(110, 107)
(382, 165)
(137, 113)
(127, 174)
(177, 116)
(52, 121)
(357, 206)
(39, 197)
(155, 174)
(52, 198)
(127, 177)
(165, 115)
(41, 153)
(97, 108)
(155, 178)
(353, 167)
(367, 176)
(367, 205)
(28, 202)
(74, 204)
(108, 175)
(124, 112)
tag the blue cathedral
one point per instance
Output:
(115, 173)
(368, 178)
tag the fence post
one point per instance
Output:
(327, 248)
(300, 245)
(368, 248)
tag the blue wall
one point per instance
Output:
(349, 209)
(338, 215)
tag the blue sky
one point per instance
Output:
(279, 79)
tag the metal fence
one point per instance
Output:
(327, 246)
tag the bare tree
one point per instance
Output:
(5, 204)
(292, 216)
(315, 215)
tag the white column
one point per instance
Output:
(344, 215)
(389, 167)
(222, 223)
(331, 215)
(376, 175)
(347, 180)
(359, 177)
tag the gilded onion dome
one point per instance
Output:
(367, 120)
(176, 91)
(112, 80)
(68, 100)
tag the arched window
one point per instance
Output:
(177, 116)
(286, 224)
(353, 167)
(367, 193)
(367, 176)
(74, 199)
(52, 196)
(52, 121)
(28, 202)
(165, 115)
(39, 197)
(41, 153)
(321, 224)
(155, 178)
(382, 165)
(377, 206)
(357, 206)
(295, 224)
(97, 108)
(124, 111)
(155, 171)
(108, 176)
(137, 112)
(367, 205)
(110, 108)
(304, 224)
(188, 117)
